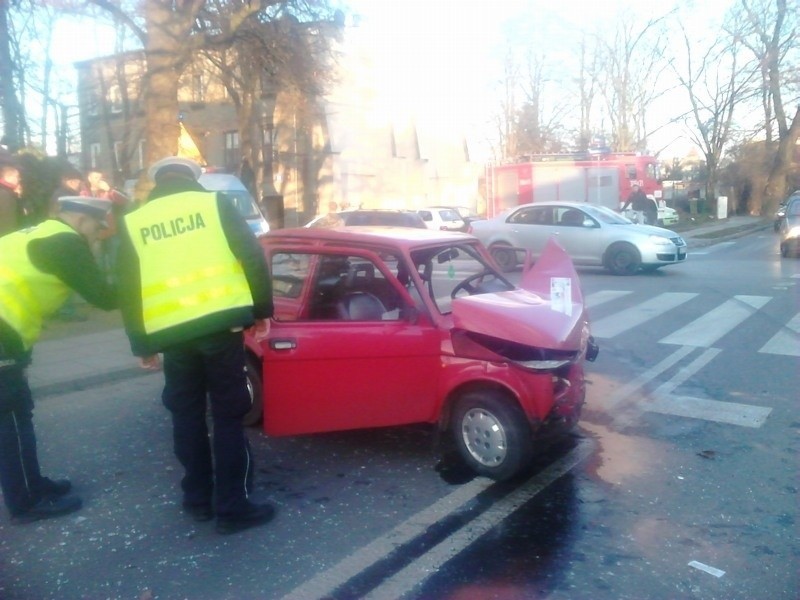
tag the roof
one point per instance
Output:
(358, 235)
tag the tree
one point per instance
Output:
(13, 112)
(770, 31)
(715, 83)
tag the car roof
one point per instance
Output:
(405, 237)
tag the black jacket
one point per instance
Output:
(243, 245)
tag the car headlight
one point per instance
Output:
(659, 240)
(793, 232)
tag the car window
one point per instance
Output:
(243, 202)
(425, 214)
(794, 208)
(449, 214)
(456, 268)
(352, 288)
(289, 273)
(605, 215)
(535, 215)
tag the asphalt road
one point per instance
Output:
(679, 483)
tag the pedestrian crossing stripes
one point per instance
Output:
(706, 330)
(702, 332)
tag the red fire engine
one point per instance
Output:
(603, 178)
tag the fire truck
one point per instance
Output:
(603, 178)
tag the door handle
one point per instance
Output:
(282, 344)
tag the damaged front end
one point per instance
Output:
(539, 334)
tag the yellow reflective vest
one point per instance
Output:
(186, 267)
(28, 295)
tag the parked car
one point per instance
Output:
(781, 212)
(790, 228)
(378, 326)
(592, 235)
(369, 216)
(442, 218)
(666, 216)
(234, 189)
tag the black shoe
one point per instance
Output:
(257, 514)
(199, 512)
(54, 487)
(48, 508)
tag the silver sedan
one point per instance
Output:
(592, 235)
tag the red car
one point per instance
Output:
(377, 327)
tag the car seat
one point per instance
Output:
(360, 306)
(572, 218)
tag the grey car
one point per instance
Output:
(592, 236)
(790, 227)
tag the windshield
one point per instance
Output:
(451, 271)
(606, 215)
(243, 202)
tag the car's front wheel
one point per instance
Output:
(255, 389)
(622, 259)
(492, 434)
(504, 256)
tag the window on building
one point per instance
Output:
(114, 99)
(198, 88)
(232, 152)
(94, 156)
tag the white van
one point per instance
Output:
(232, 187)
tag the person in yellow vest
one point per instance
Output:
(39, 267)
(192, 277)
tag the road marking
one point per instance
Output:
(640, 381)
(786, 341)
(412, 576)
(706, 330)
(324, 584)
(686, 372)
(598, 298)
(731, 413)
(620, 322)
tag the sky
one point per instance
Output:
(441, 60)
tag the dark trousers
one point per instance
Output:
(210, 367)
(20, 477)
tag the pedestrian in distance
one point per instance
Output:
(39, 267)
(192, 277)
(108, 243)
(645, 208)
(10, 204)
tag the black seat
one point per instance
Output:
(360, 306)
(573, 218)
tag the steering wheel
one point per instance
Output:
(467, 285)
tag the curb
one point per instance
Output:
(91, 381)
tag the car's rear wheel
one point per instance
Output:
(255, 389)
(492, 434)
(622, 259)
(504, 256)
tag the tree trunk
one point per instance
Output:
(776, 184)
(12, 110)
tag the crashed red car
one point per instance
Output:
(378, 327)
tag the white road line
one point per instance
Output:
(615, 324)
(598, 298)
(732, 413)
(409, 578)
(706, 330)
(786, 341)
(686, 372)
(323, 584)
(640, 381)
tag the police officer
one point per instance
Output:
(39, 267)
(192, 276)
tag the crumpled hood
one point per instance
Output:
(547, 313)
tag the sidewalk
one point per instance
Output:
(78, 359)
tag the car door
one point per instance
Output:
(325, 373)
(579, 234)
(531, 227)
